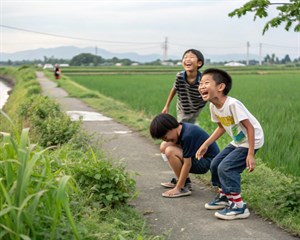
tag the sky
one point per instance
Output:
(143, 27)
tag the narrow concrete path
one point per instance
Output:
(183, 218)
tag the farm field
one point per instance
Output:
(271, 94)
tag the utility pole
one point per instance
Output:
(260, 53)
(96, 59)
(248, 46)
(165, 49)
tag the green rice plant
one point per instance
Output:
(33, 199)
(270, 94)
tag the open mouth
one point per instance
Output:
(204, 94)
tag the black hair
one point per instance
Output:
(161, 124)
(220, 76)
(198, 54)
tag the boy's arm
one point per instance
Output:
(214, 137)
(250, 161)
(169, 100)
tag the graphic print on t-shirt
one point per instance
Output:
(237, 134)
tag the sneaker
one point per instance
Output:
(183, 192)
(218, 203)
(173, 183)
(233, 212)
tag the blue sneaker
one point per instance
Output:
(233, 212)
(218, 203)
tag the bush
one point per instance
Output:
(103, 183)
(48, 124)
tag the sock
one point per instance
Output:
(188, 180)
(221, 192)
(164, 157)
(237, 199)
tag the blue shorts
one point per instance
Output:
(200, 166)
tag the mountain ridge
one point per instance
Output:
(68, 52)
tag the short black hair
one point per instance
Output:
(198, 54)
(220, 76)
(161, 124)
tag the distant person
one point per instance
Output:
(56, 71)
(185, 139)
(247, 137)
(189, 100)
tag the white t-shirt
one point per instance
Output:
(230, 116)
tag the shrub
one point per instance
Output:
(100, 181)
(48, 124)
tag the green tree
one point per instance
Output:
(288, 13)
(85, 59)
(286, 59)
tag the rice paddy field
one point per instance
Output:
(270, 93)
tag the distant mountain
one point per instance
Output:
(68, 52)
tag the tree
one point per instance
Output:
(286, 59)
(289, 13)
(86, 59)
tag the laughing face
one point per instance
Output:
(208, 88)
(190, 62)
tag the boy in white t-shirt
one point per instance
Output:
(247, 137)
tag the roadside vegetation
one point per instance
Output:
(273, 189)
(53, 183)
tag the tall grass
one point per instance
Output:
(33, 199)
(272, 99)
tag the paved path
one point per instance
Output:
(183, 218)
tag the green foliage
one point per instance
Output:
(33, 199)
(86, 59)
(273, 195)
(102, 182)
(49, 125)
(288, 13)
(287, 199)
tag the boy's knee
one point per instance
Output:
(169, 152)
(163, 147)
(213, 167)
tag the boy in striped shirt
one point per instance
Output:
(189, 100)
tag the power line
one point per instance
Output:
(76, 38)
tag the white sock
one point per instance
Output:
(164, 157)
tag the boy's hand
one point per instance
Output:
(250, 161)
(201, 151)
(165, 110)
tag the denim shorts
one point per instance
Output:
(226, 168)
(200, 166)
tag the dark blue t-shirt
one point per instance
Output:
(191, 138)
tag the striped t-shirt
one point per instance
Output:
(189, 99)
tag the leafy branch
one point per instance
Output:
(288, 13)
